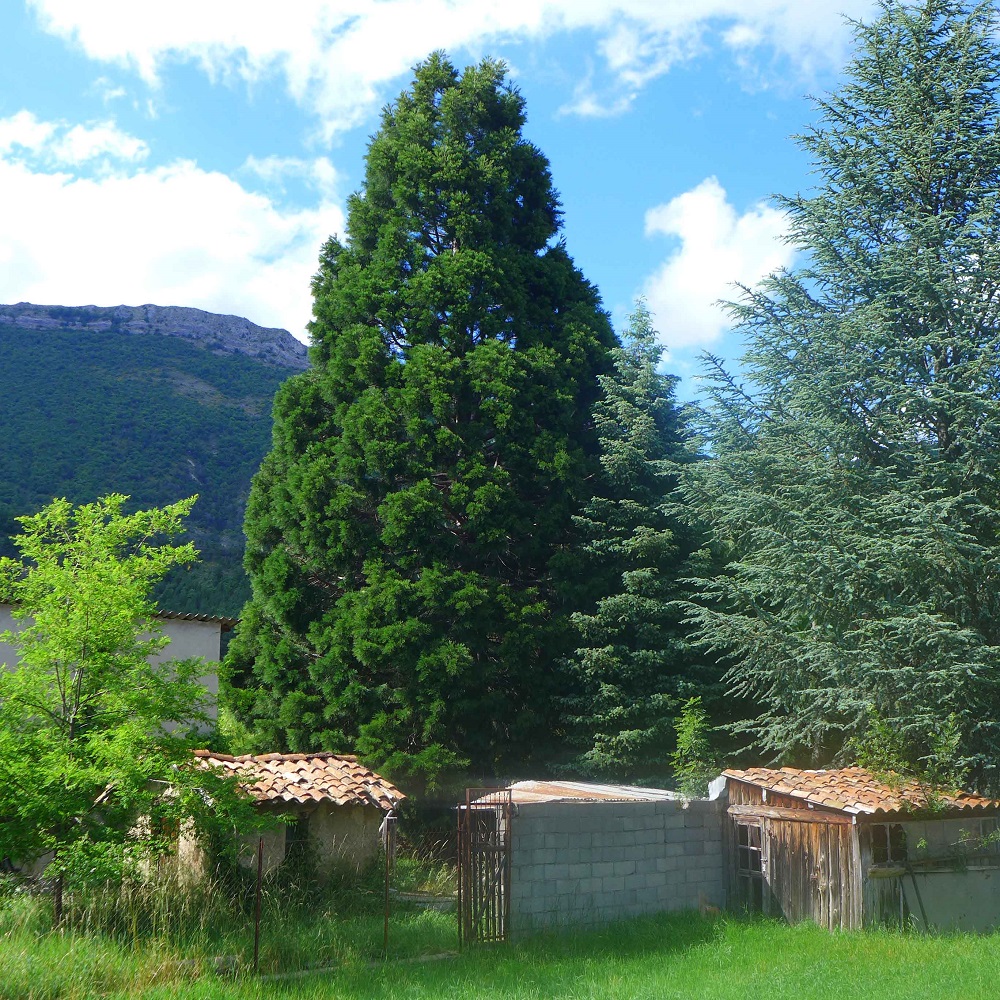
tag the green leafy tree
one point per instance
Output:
(694, 759)
(86, 751)
(857, 480)
(408, 537)
(636, 660)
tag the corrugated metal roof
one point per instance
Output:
(857, 791)
(524, 792)
(306, 778)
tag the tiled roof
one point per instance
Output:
(857, 791)
(524, 792)
(306, 778)
(190, 616)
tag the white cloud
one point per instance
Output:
(25, 132)
(319, 173)
(586, 103)
(107, 90)
(717, 248)
(83, 143)
(62, 145)
(173, 234)
(336, 56)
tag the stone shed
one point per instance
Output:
(587, 853)
(335, 803)
(846, 848)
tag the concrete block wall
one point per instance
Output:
(585, 863)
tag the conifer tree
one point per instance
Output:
(857, 481)
(409, 534)
(636, 664)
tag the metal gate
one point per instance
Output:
(484, 865)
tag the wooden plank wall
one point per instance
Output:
(813, 863)
(811, 872)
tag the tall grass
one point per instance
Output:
(126, 938)
(165, 941)
(668, 957)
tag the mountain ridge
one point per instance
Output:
(217, 332)
(150, 401)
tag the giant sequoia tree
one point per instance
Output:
(408, 535)
(857, 485)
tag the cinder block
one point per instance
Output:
(601, 868)
(694, 847)
(624, 867)
(613, 883)
(525, 825)
(579, 870)
(528, 842)
(544, 856)
(528, 873)
(630, 812)
(648, 896)
(556, 871)
(648, 836)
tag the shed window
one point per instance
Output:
(888, 844)
(750, 866)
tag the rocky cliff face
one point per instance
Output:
(211, 331)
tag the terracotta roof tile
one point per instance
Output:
(306, 778)
(857, 791)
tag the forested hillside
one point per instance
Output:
(91, 406)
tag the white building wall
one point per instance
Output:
(8, 653)
(187, 639)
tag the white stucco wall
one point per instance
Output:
(339, 836)
(345, 835)
(8, 654)
(187, 639)
(191, 638)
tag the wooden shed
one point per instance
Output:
(847, 849)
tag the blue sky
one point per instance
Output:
(198, 153)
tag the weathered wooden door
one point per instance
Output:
(484, 843)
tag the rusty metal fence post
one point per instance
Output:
(388, 832)
(256, 915)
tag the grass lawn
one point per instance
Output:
(678, 956)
